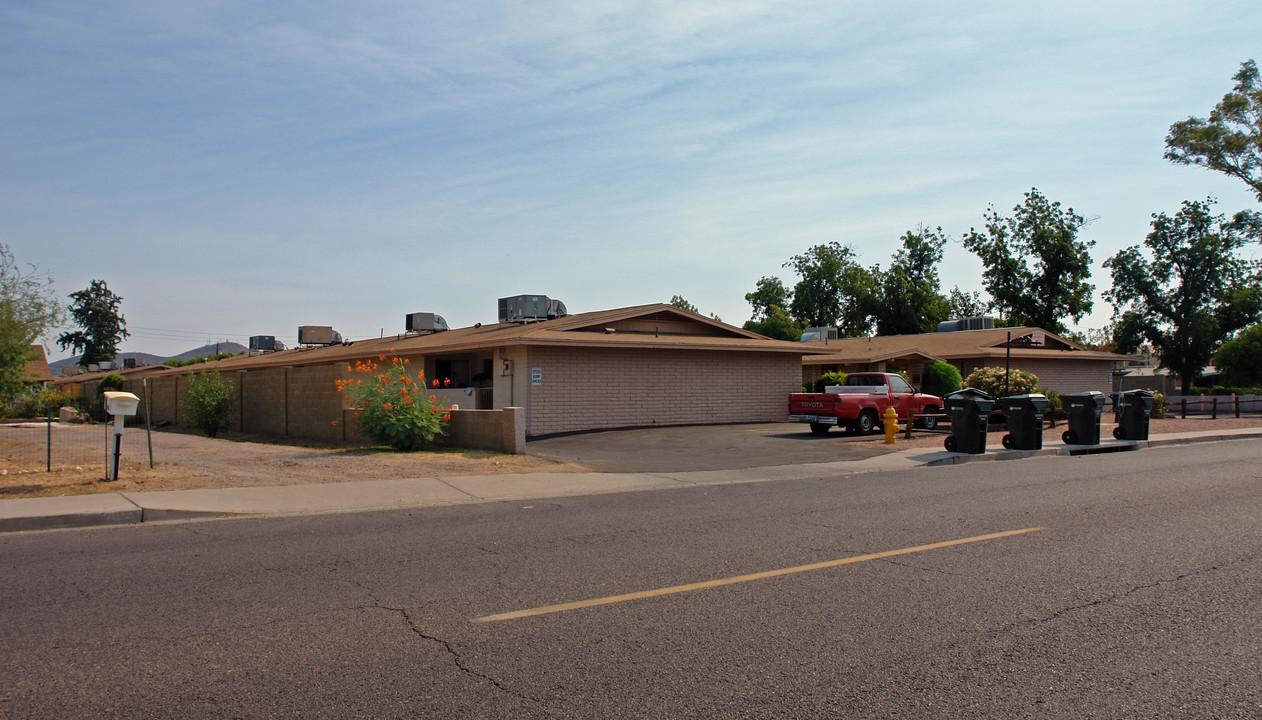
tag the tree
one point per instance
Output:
(909, 298)
(1241, 358)
(1192, 294)
(1037, 270)
(679, 302)
(961, 304)
(28, 308)
(1230, 140)
(834, 290)
(769, 293)
(777, 324)
(95, 311)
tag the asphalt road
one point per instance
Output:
(1133, 592)
(705, 447)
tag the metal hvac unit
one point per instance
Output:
(972, 323)
(129, 363)
(530, 308)
(426, 322)
(318, 335)
(264, 343)
(815, 334)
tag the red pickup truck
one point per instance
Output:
(859, 404)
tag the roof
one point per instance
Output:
(37, 367)
(1027, 342)
(658, 326)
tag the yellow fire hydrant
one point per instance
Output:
(891, 424)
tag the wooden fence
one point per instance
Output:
(1214, 405)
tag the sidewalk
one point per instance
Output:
(127, 508)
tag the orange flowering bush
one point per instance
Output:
(391, 404)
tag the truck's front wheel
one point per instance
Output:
(866, 422)
(820, 428)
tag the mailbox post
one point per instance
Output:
(120, 405)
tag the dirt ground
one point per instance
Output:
(185, 461)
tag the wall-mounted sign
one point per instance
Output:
(536, 376)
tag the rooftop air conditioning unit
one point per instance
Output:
(530, 308)
(318, 335)
(265, 343)
(816, 334)
(425, 322)
(129, 363)
(972, 323)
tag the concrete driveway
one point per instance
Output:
(704, 447)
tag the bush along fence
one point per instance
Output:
(71, 438)
(304, 403)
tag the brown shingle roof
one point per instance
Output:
(37, 367)
(658, 326)
(950, 346)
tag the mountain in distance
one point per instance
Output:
(143, 359)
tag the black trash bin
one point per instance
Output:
(1025, 421)
(1133, 410)
(969, 410)
(1084, 410)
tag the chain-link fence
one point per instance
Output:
(86, 444)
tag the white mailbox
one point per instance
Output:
(121, 403)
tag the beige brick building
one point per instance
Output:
(641, 366)
(1060, 365)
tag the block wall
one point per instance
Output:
(587, 389)
(303, 403)
(1063, 376)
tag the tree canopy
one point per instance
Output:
(1240, 358)
(102, 328)
(1037, 270)
(681, 303)
(28, 308)
(1192, 294)
(1229, 141)
(909, 301)
(834, 290)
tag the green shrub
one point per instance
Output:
(990, 380)
(1053, 398)
(38, 403)
(391, 407)
(1225, 390)
(941, 378)
(110, 382)
(832, 377)
(210, 400)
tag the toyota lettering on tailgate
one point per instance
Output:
(813, 404)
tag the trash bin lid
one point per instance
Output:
(1099, 398)
(961, 399)
(1136, 397)
(1037, 400)
(969, 394)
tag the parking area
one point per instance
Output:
(704, 447)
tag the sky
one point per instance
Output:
(234, 169)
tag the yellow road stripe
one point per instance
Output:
(546, 609)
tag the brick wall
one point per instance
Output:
(303, 403)
(585, 389)
(1063, 376)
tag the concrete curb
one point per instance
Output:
(67, 511)
(74, 511)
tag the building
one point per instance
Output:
(650, 365)
(1060, 365)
